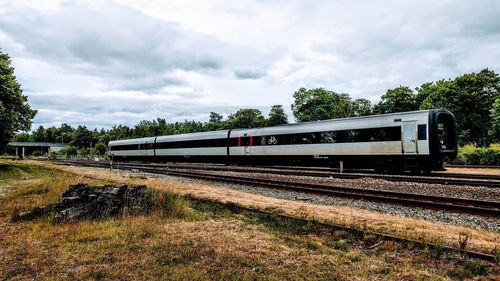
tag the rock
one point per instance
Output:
(82, 201)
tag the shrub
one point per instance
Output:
(469, 270)
(471, 155)
(69, 151)
(101, 148)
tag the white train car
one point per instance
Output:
(132, 149)
(203, 147)
(418, 140)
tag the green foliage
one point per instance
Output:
(69, 151)
(339, 244)
(399, 99)
(277, 116)
(246, 118)
(15, 113)
(471, 98)
(215, 121)
(320, 104)
(471, 155)
(361, 107)
(494, 132)
(469, 270)
(100, 148)
(82, 137)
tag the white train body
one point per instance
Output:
(418, 140)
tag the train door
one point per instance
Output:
(409, 137)
(246, 142)
(150, 149)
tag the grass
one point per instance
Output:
(188, 238)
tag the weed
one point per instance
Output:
(339, 244)
(248, 220)
(463, 240)
(369, 238)
(384, 270)
(138, 177)
(171, 205)
(496, 253)
(439, 248)
(312, 245)
(469, 270)
(352, 257)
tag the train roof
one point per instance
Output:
(372, 120)
(362, 117)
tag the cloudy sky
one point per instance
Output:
(102, 63)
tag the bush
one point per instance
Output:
(85, 152)
(101, 148)
(69, 151)
(37, 153)
(471, 155)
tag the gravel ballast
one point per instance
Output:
(462, 219)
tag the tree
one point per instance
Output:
(320, 104)
(361, 107)
(470, 98)
(82, 138)
(214, 122)
(277, 116)
(39, 134)
(494, 132)
(101, 148)
(15, 112)
(399, 99)
(245, 118)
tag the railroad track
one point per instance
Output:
(491, 181)
(480, 207)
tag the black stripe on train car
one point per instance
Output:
(227, 147)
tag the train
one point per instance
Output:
(417, 141)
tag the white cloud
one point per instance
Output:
(102, 63)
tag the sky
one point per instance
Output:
(104, 63)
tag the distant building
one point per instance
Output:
(27, 148)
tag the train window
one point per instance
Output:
(193, 143)
(442, 135)
(422, 132)
(341, 136)
(124, 147)
(244, 141)
(446, 132)
(329, 137)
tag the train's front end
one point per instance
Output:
(443, 137)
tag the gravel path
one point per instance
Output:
(492, 224)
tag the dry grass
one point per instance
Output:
(481, 171)
(479, 239)
(190, 239)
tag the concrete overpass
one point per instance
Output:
(23, 148)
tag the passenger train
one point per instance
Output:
(406, 141)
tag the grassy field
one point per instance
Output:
(186, 238)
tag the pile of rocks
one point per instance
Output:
(82, 201)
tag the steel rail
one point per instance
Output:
(481, 207)
(492, 181)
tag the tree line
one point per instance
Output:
(82, 137)
(474, 98)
